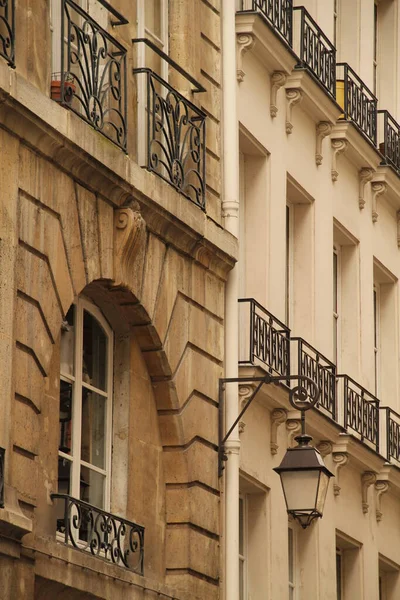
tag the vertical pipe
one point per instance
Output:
(230, 210)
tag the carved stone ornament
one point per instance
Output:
(324, 448)
(340, 459)
(322, 130)
(338, 146)
(293, 427)
(365, 175)
(368, 478)
(381, 488)
(129, 235)
(278, 417)
(245, 391)
(293, 97)
(244, 42)
(278, 79)
(378, 189)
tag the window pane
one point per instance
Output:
(339, 575)
(335, 282)
(67, 343)
(93, 438)
(64, 476)
(153, 16)
(92, 487)
(241, 532)
(94, 363)
(241, 579)
(291, 557)
(65, 441)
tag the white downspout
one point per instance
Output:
(230, 210)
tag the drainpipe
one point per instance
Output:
(230, 211)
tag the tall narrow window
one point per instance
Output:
(242, 548)
(336, 284)
(339, 574)
(375, 60)
(85, 405)
(376, 337)
(288, 266)
(291, 563)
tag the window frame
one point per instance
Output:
(81, 305)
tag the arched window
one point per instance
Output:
(86, 370)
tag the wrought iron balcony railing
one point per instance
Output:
(90, 529)
(266, 340)
(316, 51)
(315, 365)
(389, 132)
(176, 131)
(358, 102)
(361, 411)
(277, 13)
(2, 458)
(7, 31)
(92, 78)
(390, 428)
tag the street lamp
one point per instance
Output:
(303, 474)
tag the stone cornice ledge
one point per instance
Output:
(316, 101)
(268, 47)
(360, 152)
(66, 140)
(361, 456)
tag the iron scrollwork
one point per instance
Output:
(360, 104)
(320, 370)
(390, 148)
(361, 411)
(93, 77)
(90, 529)
(7, 31)
(278, 13)
(176, 139)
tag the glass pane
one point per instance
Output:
(94, 364)
(92, 487)
(300, 488)
(335, 282)
(338, 576)
(241, 532)
(93, 435)
(241, 579)
(64, 476)
(290, 554)
(152, 17)
(66, 395)
(67, 343)
(322, 490)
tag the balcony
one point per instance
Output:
(315, 50)
(358, 102)
(389, 132)
(278, 14)
(361, 411)
(266, 340)
(90, 529)
(92, 77)
(390, 430)
(174, 136)
(7, 31)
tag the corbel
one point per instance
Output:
(293, 96)
(293, 427)
(325, 447)
(278, 417)
(244, 42)
(278, 79)
(245, 391)
(364, 176)
(378, 189)
(340, 459)
(322, 130)
(129, 240)
(368, 478)
(398, 228)
(338, 146)
(381, 487)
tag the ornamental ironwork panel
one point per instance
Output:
(277, 13)
(2, 458)
(360, 104)
(267, 339)
(92, 81)
(391, 431)
(361, 411)
(90, 529)
(389, 132)
(176, 139)
(7, 31)
(317, 53)
(322, 371)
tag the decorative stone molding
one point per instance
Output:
(365, 175)
(325, 447)
(129, 235)
(278, 79)
(322, 130)
(293, 96)
(244, 42)
(340, 459)
(293, 427)
(378, 189)
(338, 146)
(398, 228)
(368, 478)
(381, 488)
(278, 417)
(245, 391)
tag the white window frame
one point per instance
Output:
(243, 557)
(336, 301)
(55, 29)
(292, 562)
(81, 305)
(376, 334)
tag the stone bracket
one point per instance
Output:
(325, 447)
(368, 478)
(293, 427)
(129, 237)
(340, 459)
(381, 487)
(278, 417)
(323, 129)
(378, 189)
(338, 146)
(365, 175)
(293, 97)
(244, 42)
(245, 391)
(278, 79)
